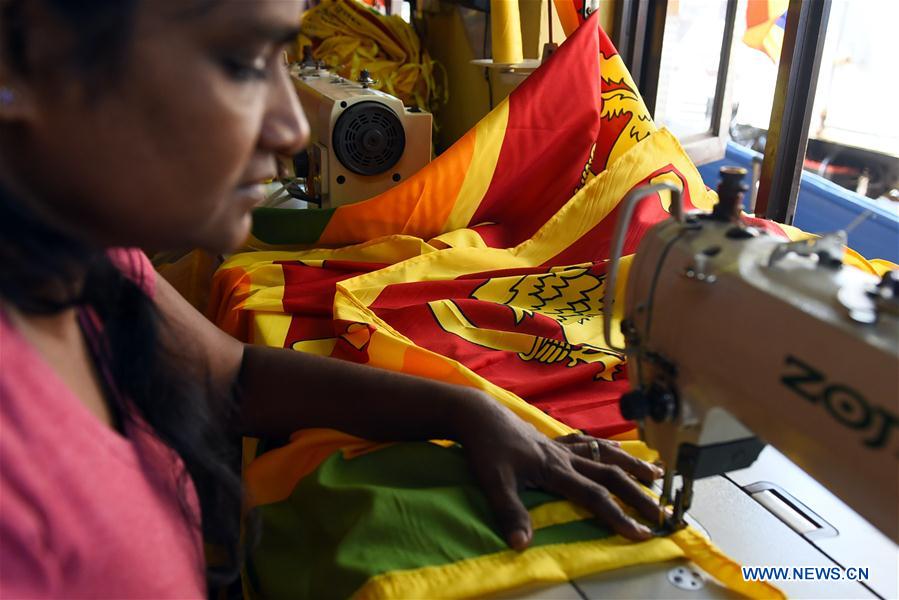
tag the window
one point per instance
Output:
(679, 54)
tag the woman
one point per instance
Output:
(152, 124)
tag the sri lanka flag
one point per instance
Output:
(486, 269)
(765, 22)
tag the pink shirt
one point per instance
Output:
(81, 512)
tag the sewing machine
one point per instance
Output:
(731, 332)
(362, 141)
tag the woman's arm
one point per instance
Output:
(283, 390)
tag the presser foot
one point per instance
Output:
(671, 515)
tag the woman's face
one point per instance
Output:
(171, 153)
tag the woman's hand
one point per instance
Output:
(506, 454)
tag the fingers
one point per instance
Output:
(511, 515)
(583, 445)
(596, 499)
(616, 480)
(610, 452)
(580, 438)
(642, 470)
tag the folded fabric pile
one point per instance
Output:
(348, 37)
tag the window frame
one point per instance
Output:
(640, 27)
(639, 35)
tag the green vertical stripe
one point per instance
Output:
(290, 226)
(403, 507)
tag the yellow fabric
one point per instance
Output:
(876, 266)
(880, 266)
(558, 564)
(557, 513)
(349, 37)
(544, 565)
(714, 562)
(488, 143)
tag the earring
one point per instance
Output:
(7, 95)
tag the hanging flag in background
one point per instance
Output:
(765, 22)
(485, 269)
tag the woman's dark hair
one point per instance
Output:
(46, 270)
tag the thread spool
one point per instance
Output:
(505, 31)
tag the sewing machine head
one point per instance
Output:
(362, 141)
(733, 335)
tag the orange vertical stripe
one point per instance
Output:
(418, 207)
(567, 15)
